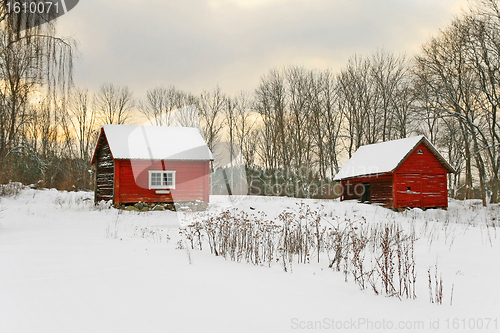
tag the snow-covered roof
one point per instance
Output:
(156, 143)
(385, 157)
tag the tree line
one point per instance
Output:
(297, 127)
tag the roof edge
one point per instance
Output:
(423, 140)
(365, 175)
(101, 134)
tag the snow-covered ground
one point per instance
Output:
(67, 266)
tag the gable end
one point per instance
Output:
(104, 170)
(433, 151)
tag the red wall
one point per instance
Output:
(426, 178)
(191, 181)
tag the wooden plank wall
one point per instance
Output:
(191, 181)
(105, 168)
(408, 188)
(434, 190)
(380, 189)
(425, 176)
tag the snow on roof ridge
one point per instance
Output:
(156, 142)
(390, 141)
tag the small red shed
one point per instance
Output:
(400, 173)
(151, 164)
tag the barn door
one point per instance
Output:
(409, 190)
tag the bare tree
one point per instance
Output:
(36, 72)
(446, 71)
(211, 107)
(270, 103)
(31, 60)
(483, 29)
(299, 88)
(355, 90)
(161, 102)
(329, 120)
(114, 104)
(245, 127)
(393, 89)
(82, 122)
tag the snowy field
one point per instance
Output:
(68, 266)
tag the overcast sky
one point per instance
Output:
(197, 44)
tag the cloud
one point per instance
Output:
(197, 44)
(245, 3)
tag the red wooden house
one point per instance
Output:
(401, 173)
(151, 164)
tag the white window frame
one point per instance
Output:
(161, 187)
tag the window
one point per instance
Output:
(161, 179)
(420, 151)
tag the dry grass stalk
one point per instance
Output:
(381, 253)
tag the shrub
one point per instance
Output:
(12, 189)
(369, 253)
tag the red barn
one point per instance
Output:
(401, 173)
(151, 164)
